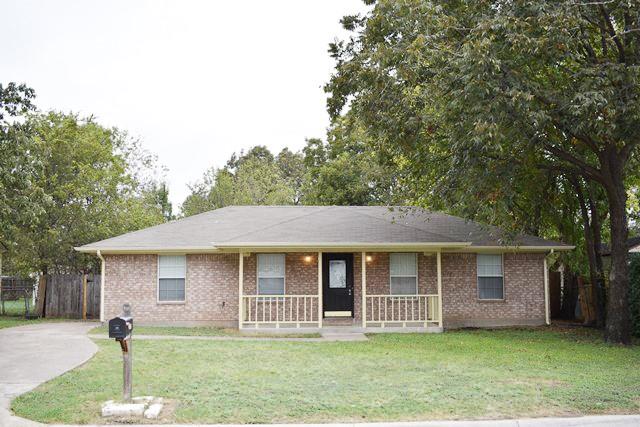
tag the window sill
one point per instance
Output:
(490, 300)
(171, 302)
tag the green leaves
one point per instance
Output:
(254, 178)
(77, 182)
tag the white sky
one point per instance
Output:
(194, 80)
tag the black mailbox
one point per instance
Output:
(120, 327)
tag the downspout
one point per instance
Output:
(102, 270)
(547, 307)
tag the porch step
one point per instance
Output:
(338, 321)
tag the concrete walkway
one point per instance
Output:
(325, 336)
(33, 354)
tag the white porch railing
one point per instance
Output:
(418, 310)
(279, 310)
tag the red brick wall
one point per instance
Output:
(212, 287)
(301, 276)
(378, 274)
(523, 302)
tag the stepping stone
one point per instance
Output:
(153, 411)
(112, 409)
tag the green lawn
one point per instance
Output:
(201, 331)
(11, 321)
(14, 314)
(465, 374)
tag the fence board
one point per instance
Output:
(63, 296)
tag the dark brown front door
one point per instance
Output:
(337, 283)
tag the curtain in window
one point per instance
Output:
(271, 274)
(172, 271)
(403, 270)
(490, 276)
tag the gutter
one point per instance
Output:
(102, 271)
(340, 245)
(356, 246)
(145, 250)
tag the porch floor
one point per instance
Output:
(341, 328)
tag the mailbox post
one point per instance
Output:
(121, 328)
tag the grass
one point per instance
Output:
(465, 374)
(14, 314)
(11, 321)
(201, 331)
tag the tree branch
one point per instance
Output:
(585, 168)
(612, 33)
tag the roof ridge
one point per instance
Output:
(277, 223)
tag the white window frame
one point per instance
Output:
(415, 255)
(478, 277)
(284, 274)
(186, 267)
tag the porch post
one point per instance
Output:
(439, 273)
(364, 289)
(320, 307)
(547, 314)
(102, 279)
(240, 286)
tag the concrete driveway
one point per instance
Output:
(33, 354)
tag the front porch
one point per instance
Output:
(355, 291)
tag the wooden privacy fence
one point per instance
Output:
(74, 296)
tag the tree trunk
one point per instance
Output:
(588, 242)
(618, 324)
(596, 232)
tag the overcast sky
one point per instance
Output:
(194, 80)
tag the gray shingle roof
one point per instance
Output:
(237, 226)
(633, 244)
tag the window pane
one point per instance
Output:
(270, 286)
(171, 290)
(337, 274)
(489, 265)
(172, 266)
(403, 286)
(402, 264)
(490, 288)
(271, 265)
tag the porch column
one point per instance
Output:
(439, 274)
(102, 279)
(320, 307)
(547, 314)
(240, 286)
(364, 289)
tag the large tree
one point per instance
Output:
(252, 178)
(18, 197)
(348, 170)
(92, 183)
(507, 89)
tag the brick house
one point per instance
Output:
(312, 266)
